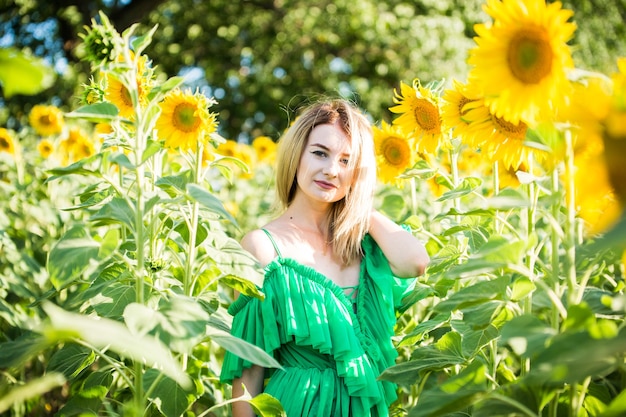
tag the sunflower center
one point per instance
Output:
(510, 130)
(530, 56)
(4, 144)
(426, 115)
(46, 119)
(125, 96)
(396, 151)
(184, 117)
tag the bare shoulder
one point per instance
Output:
(259, 245)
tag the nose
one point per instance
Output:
(331, 169)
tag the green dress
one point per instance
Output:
(332, 347)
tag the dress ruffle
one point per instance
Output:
(303, 308)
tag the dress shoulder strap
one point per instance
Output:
(273, 242)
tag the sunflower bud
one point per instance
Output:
(101, 41)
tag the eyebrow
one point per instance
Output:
(326, 148)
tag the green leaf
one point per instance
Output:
(97, 385)
(96, 113)
(393, 205)
(71, 360)
(115, 211)
(447, 352)
(477, 293)
(14, 353)
(164, 88)
(617, 407)
(570, 358)
(112, 335)
(521, 288)
(23, 74)
(77, 168)
(242, 285)
(179, 322)
(71, 256)
(174, 185)
(468, 185)
(209, 201)
(31, 389)
(119, 158)
(265, 405)
(525, 334)
(508, 199)
(456, 394)
(111, 298)
(152, 148)
(241, 348)
(140, 43)
(169, 397)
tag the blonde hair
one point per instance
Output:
(348, 220)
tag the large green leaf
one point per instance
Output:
(71, 256)
(71, 360)
(478, 293)
(455, 394)
(31, 389)
(241, 348)
(570, 358)
(525, 334)
(265, 405)
(447, 352)
(115, 211)
(104, 333)
(97, 113)
(23, 74)
(179, 322)
(169, 397)
(209, 201)
(14, 353)
(468, 185)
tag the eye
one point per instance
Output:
(319, 153)
(345, 161)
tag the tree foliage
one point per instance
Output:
(263, 58)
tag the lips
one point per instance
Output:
(325, 185)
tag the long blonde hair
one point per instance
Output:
(348, 220)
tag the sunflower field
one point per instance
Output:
(120, 222)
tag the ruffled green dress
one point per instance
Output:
(332, 347)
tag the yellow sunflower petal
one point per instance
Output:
(394, 153)
(185, 120)
(6, 141)
(520, 61)
(46, 120)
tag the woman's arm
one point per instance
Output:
(252, 378)
(407, 256)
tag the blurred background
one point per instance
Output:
(262, 58)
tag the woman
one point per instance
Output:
(330, 286)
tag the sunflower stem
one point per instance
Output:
(570, 223)
(191, 252)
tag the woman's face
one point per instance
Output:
(324, 173)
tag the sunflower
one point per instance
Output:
(419, 109)
(457, 102)
(394, 153)
(228, 148)
(502, 140)
(46, 120)
(6, 142)
(117, 92)
(520, 61)
(185, 120)
(45, 148)
(265, 148)
(596, 201)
